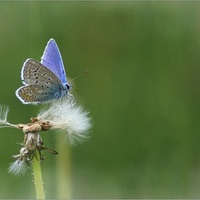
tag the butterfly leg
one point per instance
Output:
(71, 99)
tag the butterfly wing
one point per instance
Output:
(41, 84)
(33, 72)
(52, 59)
(37, 94)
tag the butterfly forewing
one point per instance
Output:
(33, 72)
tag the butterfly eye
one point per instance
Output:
(68, 86)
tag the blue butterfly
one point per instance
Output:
(46, 80)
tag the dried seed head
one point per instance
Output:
(67, 117)
(33, 128)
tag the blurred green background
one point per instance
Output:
(142, 90)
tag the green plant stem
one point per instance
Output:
(37, 175)
(63, 172)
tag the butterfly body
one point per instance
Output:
(44, 81)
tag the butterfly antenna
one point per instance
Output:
(80, 75)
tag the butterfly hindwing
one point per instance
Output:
(37, 93)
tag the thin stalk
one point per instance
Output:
(37, 175)
(63, 172)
